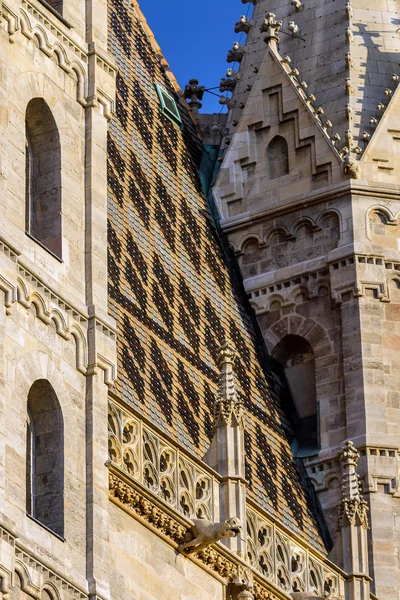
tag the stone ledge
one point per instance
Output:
(170, 526)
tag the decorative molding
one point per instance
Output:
(287, 564)
(54, 28)
(52, 308)
(12, 21)
(71, 57)
(308, 283)
(28, 561)
(10, 293)
(163, 469)
(146, 480)
(107, 103)
(165, 522)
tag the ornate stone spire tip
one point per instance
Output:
(228, 407)
(227, 353)
(349, 454)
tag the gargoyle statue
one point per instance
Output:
(204, 533)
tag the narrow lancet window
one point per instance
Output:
(43, 176)
(45, 457)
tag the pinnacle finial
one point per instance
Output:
(271, 27)
(228, 408)
(194, 94)
(353, 508)
(227, 353)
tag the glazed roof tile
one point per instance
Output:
(171, 289)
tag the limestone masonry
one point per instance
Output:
(200, 314)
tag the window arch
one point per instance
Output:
(43, 176)
(45, 457)
(296, 356)
(277, 157)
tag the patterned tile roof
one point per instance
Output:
(170, 288)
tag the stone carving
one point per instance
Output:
(228, 407)
(288, 565)
(243, 25)
(351, 167)
(236, 53)
(204, 533)
(271, 27)
(148, 458)
(244, 577)
(227, 84)
(353, 508)
(194, 94)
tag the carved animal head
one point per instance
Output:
(232, 527)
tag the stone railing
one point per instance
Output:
(185, 486)
(286, 563)
(161, 467)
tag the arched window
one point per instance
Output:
(43, 176)
(277, 157)
(45, 457)
(296, 356)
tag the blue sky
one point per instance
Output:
(195, 38)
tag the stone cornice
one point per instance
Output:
(27, 557)
(57, 40)
(246, 220)
(129, 463)
(71, 319)
(170, 526)
(334, 192)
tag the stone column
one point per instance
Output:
(226, 454)
(353, 526)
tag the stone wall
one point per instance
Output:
(54, 327)
(141, 564)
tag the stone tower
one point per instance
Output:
(308, 195)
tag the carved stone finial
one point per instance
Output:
(243, 25)
(353, 508)
(228, 407)
(194, 93)
(271, 27)
(236, 53)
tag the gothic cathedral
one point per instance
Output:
(200, 314)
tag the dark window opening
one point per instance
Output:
(56, 5)
(277, 157)
(296, 356)
(43, 176)
(45, 457)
